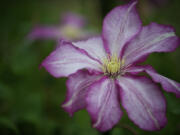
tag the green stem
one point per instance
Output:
(128, 127)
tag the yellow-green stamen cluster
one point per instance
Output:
(112, 66)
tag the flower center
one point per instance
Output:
(71, 31)
(112, 66)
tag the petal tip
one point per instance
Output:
(67, 109)
(48, 67)
(148, 114)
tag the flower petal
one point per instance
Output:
(42, 32)
(94, 47)
(143, 101)
(152, 38)
(73, 19)
(119, 26)
(167, 84)
(77, 85)
(67, 59)
(103, 104)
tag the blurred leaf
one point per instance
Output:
(173, 103)
(23, 59)
(6, 92)
(8, 124)
(117, 131)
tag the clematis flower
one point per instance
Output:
(103, 72)
(70, 28)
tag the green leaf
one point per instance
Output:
(7, 123)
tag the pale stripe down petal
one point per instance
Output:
(103, 105)
(67, 59)
(167, 84)
(77, 86)
(143, 101)
(120, 26)
(152, 38)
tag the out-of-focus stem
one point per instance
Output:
(127, 127)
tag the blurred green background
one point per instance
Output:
(30, 98)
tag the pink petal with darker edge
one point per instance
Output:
(143, 101)
(120, 26)
(152, 38)
(77, 85)
(167, 84)
(94, 47)
(103, 104)
(67, 59)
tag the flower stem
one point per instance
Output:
(128, 127)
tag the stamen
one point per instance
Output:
(112, 66)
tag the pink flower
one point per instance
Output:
(70, 28)
(111, 75)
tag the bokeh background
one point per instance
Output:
(30, 98)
